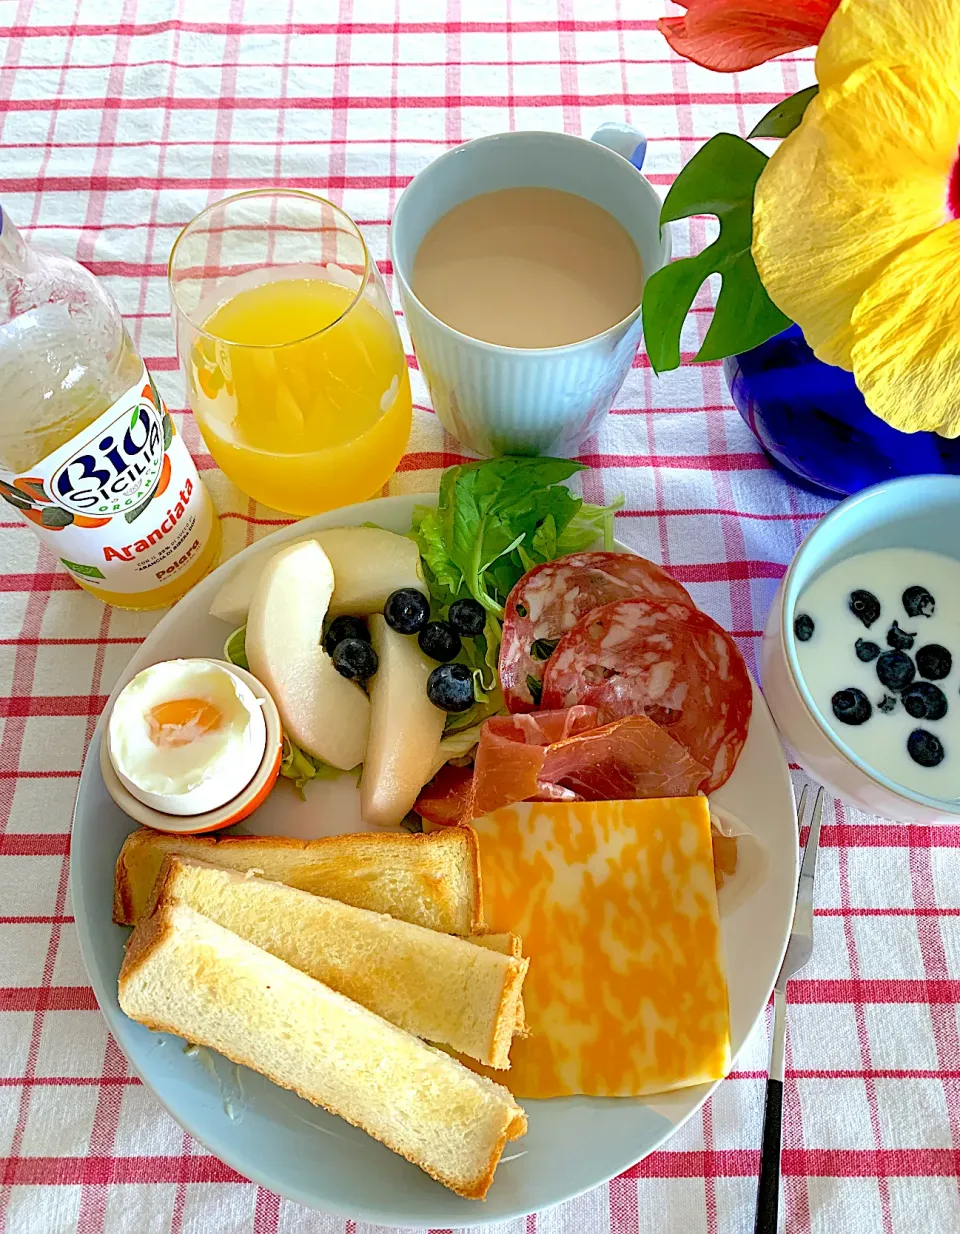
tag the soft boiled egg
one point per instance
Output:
(186, 736)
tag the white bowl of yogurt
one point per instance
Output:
(861, 652)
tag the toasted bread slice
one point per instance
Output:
(511, 945)
(505, 944)
(430, 880)
(436, 986)
(185, 974)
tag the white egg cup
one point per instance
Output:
(233, 811)
(919, 512)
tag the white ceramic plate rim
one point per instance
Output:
(437, 1207)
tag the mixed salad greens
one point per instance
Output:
(494, 520)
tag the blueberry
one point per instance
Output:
(467, 617)
(901, 640)
(918, 602)
(450, 687)
(934, 662)
(866, 606)
(924, 748)
(866, 651)
(803, 627)
(924, 701)
(406, 611)
(851, 706)
(440, 641)
(345, 627)
(355, 659)
(895, 670)
(887, 704)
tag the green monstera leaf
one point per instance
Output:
(782, 119)
(720, 179)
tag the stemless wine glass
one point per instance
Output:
(290, 348)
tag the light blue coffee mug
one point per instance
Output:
(512, 400)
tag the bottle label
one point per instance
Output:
(121, 504)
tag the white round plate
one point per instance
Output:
(281, 1141)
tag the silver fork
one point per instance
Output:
(799, 951)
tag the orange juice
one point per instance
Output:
(301, 391)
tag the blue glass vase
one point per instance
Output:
(815, 427)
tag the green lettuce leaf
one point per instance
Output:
(300, 767)
(494, 521)
(443, 577)
(586, 527)
(488, 511)
(480, 655)
(235, 649)
(458, 745)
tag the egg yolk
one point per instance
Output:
(182, 720)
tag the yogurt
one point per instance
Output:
(878, 642)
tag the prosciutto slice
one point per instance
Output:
(446, 799)
(562, 756)
(631, 758)
(513, 750)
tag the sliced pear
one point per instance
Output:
(325, 714)
(232, 601)
(368, 565)
(405, 728)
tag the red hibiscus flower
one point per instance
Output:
(727, 35)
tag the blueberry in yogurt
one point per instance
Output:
(918, 602)
(924, 701)
(880, 632)
(895, 670)
(924, 748)
(934, 662)
(865, 605)
(851, 706)
(803, 627)
(900, 640)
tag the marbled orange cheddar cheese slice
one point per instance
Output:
(616, 904)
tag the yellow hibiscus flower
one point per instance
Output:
(856, 223)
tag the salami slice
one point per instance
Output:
(551, 598)
(667, 661)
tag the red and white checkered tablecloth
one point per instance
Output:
(119, 120)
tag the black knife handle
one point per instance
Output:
(768, 1191)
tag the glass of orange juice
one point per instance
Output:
(290, 347)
